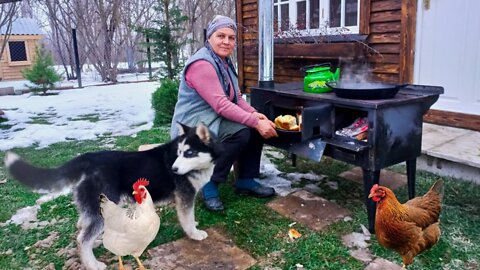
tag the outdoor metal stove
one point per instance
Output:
(394, 128)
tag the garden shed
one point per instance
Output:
(20, 49)
(394, 41)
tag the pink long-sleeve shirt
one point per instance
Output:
(202, 77)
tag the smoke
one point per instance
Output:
(355, 72)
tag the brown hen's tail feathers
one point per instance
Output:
(438, 188)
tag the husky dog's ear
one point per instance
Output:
(182, 129)
(203, 133)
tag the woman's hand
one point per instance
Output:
(266, 128)
(260, 116)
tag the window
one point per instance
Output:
(316, 17)
(18, 51)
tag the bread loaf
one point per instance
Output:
(287, 122)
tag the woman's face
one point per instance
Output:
(223, 41)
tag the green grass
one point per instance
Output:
(252, 226)
(4, 125)
(91, 117)
(41, 120)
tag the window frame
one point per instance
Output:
(324, 16)
(18, 63)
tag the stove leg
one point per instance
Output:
(411, 170)
(370, 178)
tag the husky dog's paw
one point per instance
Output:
(198, 235)
(94, 265)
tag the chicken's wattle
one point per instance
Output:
(139, 196)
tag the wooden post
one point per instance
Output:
(77, 59)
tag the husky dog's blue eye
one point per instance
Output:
(189, 153)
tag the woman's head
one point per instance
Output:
(221, 34)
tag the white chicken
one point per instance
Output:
(128, 231)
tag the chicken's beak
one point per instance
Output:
(371, 195)
(134, 192)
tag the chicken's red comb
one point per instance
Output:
(374, 188)
(140, 182)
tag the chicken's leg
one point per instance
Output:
(120, 263)
(140, 265)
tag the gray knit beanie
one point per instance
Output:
(220, 22)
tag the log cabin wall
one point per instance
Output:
(384, 46)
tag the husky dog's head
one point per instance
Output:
(197, 149)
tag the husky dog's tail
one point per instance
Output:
(41, 179)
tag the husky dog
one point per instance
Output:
(177, 169)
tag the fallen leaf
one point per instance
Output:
(237, 222)
(3, 181)
(294, 234)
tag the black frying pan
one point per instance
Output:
(365, 90)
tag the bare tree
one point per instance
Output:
(109, 15)
(7, 15)
(59, 28)
(104, 25)
(138, 13)
(200, 13)
(195, 10)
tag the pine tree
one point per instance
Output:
(165, 37)
(41, 73)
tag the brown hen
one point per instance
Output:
(408, 228)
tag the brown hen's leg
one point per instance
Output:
(140, 265)
(120, 263)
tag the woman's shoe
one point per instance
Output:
(211, 197)
(213, 204)
(259, 191)
(253, 188)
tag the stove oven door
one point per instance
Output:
(317, 121)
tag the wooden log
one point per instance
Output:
(385, 68)
(385, 58)
(384, 38)
(453, 119)
(386, 16)
(386, 48)
(386, 5)
(250, 7)
(385, 27)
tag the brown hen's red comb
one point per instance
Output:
(140, 182)
(374, 187)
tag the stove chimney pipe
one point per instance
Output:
(265, 43)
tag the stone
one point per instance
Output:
(308, 209)
(215, 252)
(390, 179)
(381, 264)
(7, 91)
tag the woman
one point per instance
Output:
(209, 93)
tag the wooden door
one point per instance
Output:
(447, 52)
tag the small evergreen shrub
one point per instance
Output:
(41, 74)
(164, 100)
